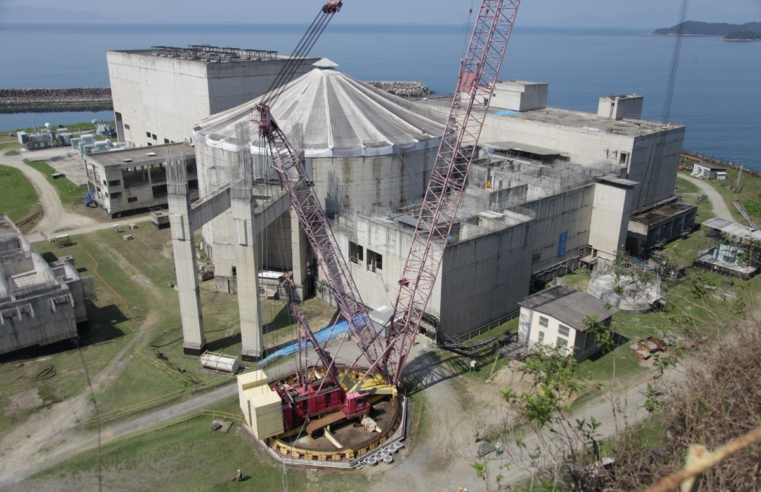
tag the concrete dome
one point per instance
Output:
(334, 115)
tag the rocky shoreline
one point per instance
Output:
(403, 89)
(55, 100)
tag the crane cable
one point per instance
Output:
(298, 56)
(675, 62)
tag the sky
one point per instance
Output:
(582, 13)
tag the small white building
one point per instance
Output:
(557, 317)
(709, 172)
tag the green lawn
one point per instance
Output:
(188, 456)
(17, 196)
(67, 191)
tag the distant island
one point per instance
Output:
(750, 31)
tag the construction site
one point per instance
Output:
(350, 281)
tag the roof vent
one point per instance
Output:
(325, 63)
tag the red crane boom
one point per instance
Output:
(478, 75)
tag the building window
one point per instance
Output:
(126, 126)
(622, 157)
(536, 257)
(116, 195)
(149, 144)
(148, 134)
(132, 199)
(564, 331)
(562, 343)
(356, 253)
(153, 136)
(541, 338)
(544, 321)
(106, 194)
(374, 261)
(115, 182)
(166, 140)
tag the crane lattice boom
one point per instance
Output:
(295, 180)
(478, 75)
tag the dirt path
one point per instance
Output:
(720, 207)
(55, 217)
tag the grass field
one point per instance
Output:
(139, 272)
(188, 456)
(17, 196)
(67, 191)
(748, 194)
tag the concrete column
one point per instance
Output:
(186, 269)
(243, 208)
(299, 255)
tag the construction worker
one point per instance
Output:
(472, 365)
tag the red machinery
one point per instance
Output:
(478, 75)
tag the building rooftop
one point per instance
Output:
(737, 231)
(332, 115)
(140, 156)
(591, 123)
(7, 228)
(209, 54)
(568, 306)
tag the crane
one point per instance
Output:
(388, 355)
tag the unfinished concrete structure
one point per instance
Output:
(655, 225)
(135, 180)
(160, 93)
(40, 303)
(364, 148)
(254, 207)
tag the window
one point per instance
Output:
(126, 126)
(166, 140)
(562, 343)
(623, 156)
(564, 331)
(148, 134)
(544, 321)
(115, 182)
(356, 253)
(149, 144)
(536, 257)
(153, 136)
(132, 199)
(541, 338)
(374, 261)
(116, 195)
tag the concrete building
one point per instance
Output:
(40, 303)
(655, 225)
(161, 93)
(558, 317)
(615, 137)
(364, 148)
(133, 181)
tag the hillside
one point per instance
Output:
(695, 28)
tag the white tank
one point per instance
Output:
(219, 362)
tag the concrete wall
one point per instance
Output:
(157, 96)
(167, 97)
(610, 219)
(620, 107)
(635, 157)
(517, 95)
(347, 184)
(484, 278)
(569, 212)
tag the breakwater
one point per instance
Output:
(403, 89)
(55, 100)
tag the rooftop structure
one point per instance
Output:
(161, 93)
(40, 303)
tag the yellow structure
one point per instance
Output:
(261, 406)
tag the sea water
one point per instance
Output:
(716, 93)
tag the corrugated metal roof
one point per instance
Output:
(568, 306)
(339, 116)
(739, 232)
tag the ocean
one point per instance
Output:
(716, 93)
